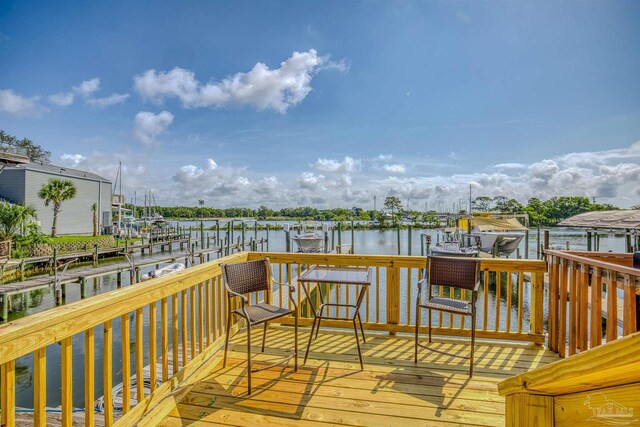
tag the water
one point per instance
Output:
(364, 242)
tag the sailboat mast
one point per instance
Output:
(469, 213)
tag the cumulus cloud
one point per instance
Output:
(107, 101)
(86, 90)
(87, 87)
(263, 88)
(395, 168)
(310, 181)
(136, 176)
(332, 182)
(11, 102)
(348, 164)
(148, 125)
(62, 99)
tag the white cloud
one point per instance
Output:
(395, 168)
(510, 166)
(261, 87)
(11, 102)
(329, 165)
(614, 180)
(61, 99)
(74, 159)
(87, 87)
(310, 181)
(136, 177)
(107, 101)
(148, 125)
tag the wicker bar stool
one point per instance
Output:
(456, 272)
(245, 278)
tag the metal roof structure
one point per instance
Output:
(618, 219)
(61, 170)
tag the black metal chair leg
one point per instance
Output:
(473, 343)
(429, 326)
(295, 341)
(306, 354)
(249, 358)
(264, 336)
(317, 328)
(364, 340)
(226, 340)
(415, 353)
(355, 330)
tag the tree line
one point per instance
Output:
(545, 213)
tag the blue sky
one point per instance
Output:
(331, 103)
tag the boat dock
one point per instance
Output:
(132, 266)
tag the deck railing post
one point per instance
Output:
(537, 303)
(393, 297)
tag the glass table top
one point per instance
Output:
(346, 275)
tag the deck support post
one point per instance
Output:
(119, 279)
(4, 307)
(83, 287)
(393, 297)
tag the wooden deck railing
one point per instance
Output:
(598, 387)
(584, 287)
(178, 322)
(390, 302)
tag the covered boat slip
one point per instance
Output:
(618, 219)
(179, 321)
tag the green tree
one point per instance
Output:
(537, 211)
(264, 212)
(512, 206)
(13, 218)
(431, 218)
(499, 203)
(36, 152)
(394, 205)
(55, 192)
(481, 204)
(365, 215)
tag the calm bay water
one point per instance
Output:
(364, 242)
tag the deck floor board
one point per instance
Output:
(332, 390)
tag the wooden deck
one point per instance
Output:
(331, 389)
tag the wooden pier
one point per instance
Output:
(81, 275)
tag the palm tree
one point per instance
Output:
(94, 210)
(12, 220)
(57, 191)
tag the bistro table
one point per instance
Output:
(359, 276)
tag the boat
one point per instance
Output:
(310, 242)
(310, 239)
(450, 245)
(453, 249)
(168, 269)
(498, 236)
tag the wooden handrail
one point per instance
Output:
(186, 316)
(583, 288)
(600, 385)
(396, 277)
(585, 259)
(23, 336)
(614, 363)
